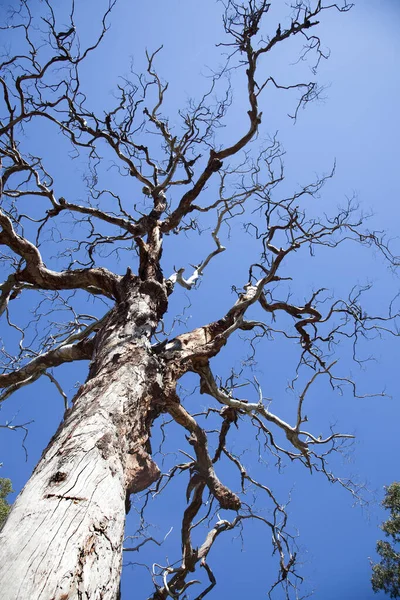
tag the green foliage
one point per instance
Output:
(386, 573)
(5, 489)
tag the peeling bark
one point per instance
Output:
(64, 536)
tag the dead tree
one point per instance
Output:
(64, 536)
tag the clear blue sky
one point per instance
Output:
(358, 124)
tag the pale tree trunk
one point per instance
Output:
(63, 538)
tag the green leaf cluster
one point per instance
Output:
(5, 489)
(386, 573)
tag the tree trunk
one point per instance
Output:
(63, 538)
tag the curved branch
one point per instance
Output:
(82, 350)
(198, 439)
(96, 280)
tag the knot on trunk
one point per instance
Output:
(226, 498)
(140, 471)
(215, 164)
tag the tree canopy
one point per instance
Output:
(386, 573)
(5, 490)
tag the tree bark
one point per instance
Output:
(63, 538)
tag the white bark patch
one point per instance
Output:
(63, 539)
